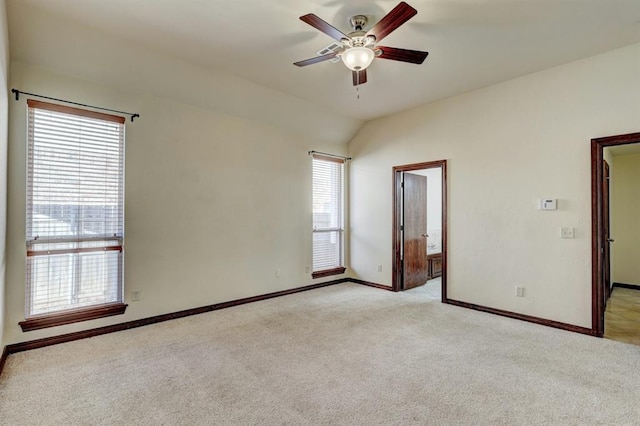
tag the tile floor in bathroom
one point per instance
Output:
(622, 316)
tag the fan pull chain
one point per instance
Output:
(358, 92)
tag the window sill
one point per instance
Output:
(54, 320)
(328, 272)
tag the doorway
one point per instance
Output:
(615, 175)
(420, 232)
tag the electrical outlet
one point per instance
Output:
(307, 269)
(379, 268)
(519, 291)
(135, 295)
(277, 273)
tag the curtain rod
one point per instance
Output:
(329, 155)
(18, 92)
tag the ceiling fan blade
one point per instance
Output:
(317, 59)
(392, 20)
(323, 26)
(404, 55)
(359, 77)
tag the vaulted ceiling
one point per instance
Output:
(472, 43)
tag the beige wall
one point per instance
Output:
(215, 203)
(507, 146)
(625, 219)
(4, 116)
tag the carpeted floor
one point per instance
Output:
(345, 354)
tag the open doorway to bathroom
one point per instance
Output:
(419, 228)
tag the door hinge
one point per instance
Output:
(402, 227)
(402, 185)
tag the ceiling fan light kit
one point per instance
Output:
(358, 58)
(360, 48)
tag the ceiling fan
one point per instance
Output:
(358, 48)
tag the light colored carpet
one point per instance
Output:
(345, 354)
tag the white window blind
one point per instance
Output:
(328, 224)
(75, 208)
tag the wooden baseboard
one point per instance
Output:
(69, 337)
(370, 284)
(3, 358)
(629, 286)
(523, 317)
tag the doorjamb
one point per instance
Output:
(597, 172)
(397, 207)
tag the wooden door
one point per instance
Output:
(606, 235)
(415, 266)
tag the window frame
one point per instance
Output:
(340, 268)
(111, 243)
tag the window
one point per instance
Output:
(74, 215)
(328, 226)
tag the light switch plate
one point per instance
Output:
(566, 232)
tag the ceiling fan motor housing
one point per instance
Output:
(359, 38)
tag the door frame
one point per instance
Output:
(606, 230)
(397, 208)
(597, 176)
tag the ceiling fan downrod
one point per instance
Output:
(358, 22)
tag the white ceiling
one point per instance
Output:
(472, 43)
